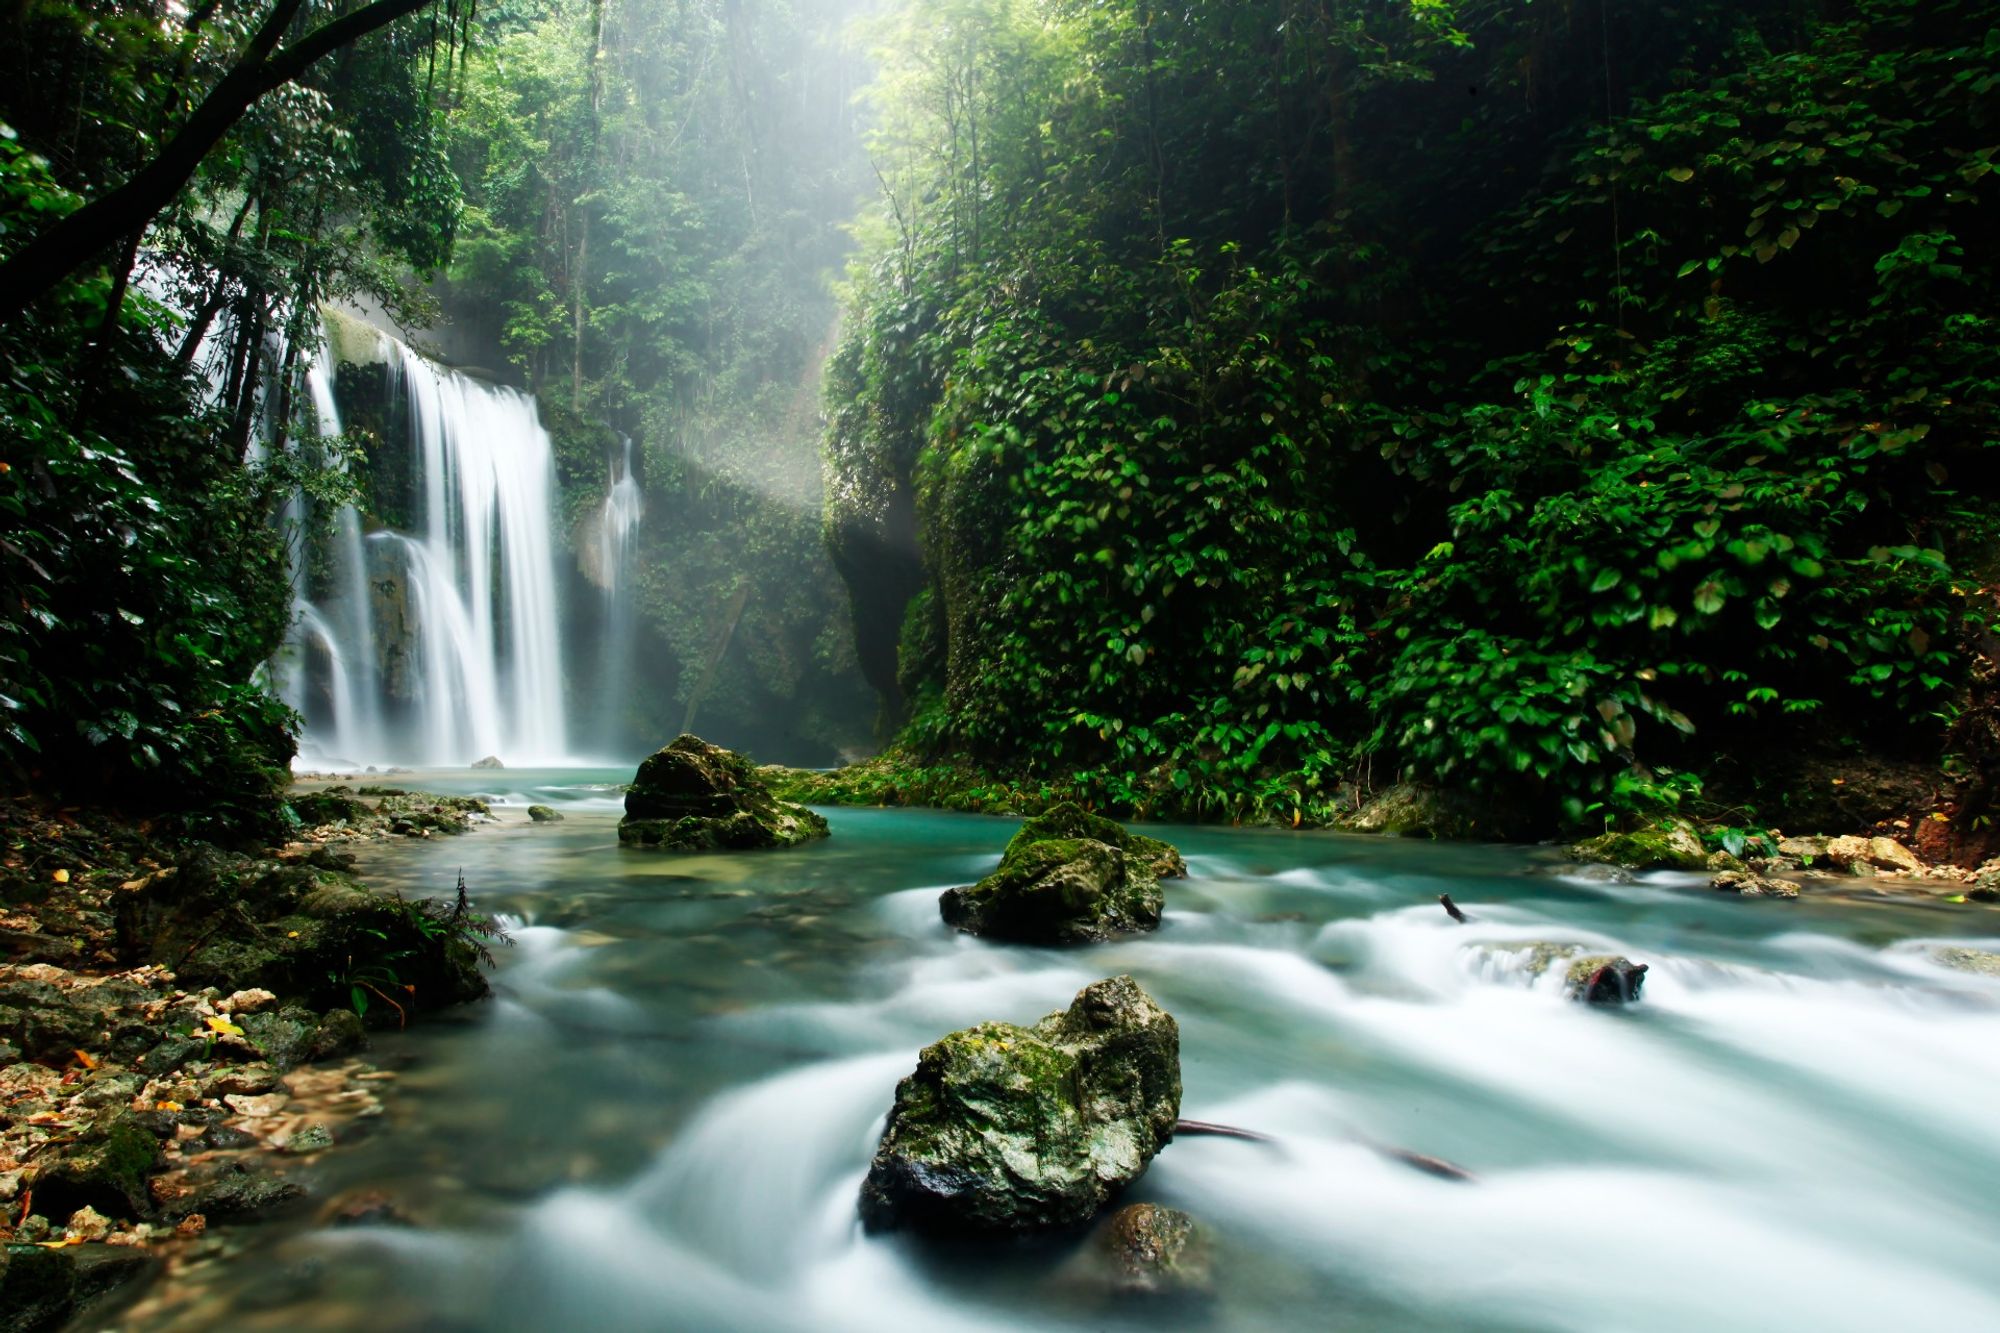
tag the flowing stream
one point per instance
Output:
(662, 1120)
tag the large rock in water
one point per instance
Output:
(697, 797)
(1005, 1128)
(1068, 877)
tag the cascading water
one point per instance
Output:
(617, 533)
(440, 645)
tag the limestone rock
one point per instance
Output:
(542, 814)
(491, 761)
(1605, 979)
(1005, 1128)
(1752, 885)
(696, 797)
(1672, 844)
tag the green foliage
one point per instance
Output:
(1281, 429)
(144, 589)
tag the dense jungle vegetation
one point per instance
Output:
(1237, 408)
(1587, 405)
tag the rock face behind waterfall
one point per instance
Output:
(1068, 877)
(1005, 1128)
(697, 797)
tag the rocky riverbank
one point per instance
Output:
(180, 1024)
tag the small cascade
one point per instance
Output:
(624, 506)
(438, 645)
(617, 533)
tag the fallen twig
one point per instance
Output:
(1431, 1166)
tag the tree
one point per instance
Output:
(59, 250)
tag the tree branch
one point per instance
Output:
(42, 265)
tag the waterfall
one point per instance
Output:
(440, 645)
(624, 506)
(617, 530)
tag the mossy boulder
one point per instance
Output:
(696, 797)
(1671, 844)
(334, 805)
(544, 814)
(1605, 979)
(1005, 1128)
(1069, 820)
(1058, 891)
(1067, 877)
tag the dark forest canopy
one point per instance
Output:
(1589, 403)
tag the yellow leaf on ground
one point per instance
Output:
(224, 1025)
(62, 876)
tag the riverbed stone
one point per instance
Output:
(543, 814)
(695, 797)
(1752, 885)
(1605, 979)
(1004, 1128)
(1671, 844)
(104, 1168)
(1980, 962)
(1145, 1249)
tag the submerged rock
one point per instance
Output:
(696, 797)
(1007, 1128)
(1672, 844)
(542, 814)
(1144, 1249)
(1067, 877)
(1977, 961)
(1605, 979)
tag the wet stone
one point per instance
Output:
(1605, 979)
(1004, 1128)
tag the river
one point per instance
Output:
(662, 1119)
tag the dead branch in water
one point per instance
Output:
(1430, 1166)
(1452, 909)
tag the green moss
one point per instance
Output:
(1671, 844)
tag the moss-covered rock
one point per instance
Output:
(1067, 877)
(1671, 844)
(696, 797)
(544, 814)
(310, 934)
(105, 1168)
(1005, 1128)
(1605, 979)
(1058, 891)
(1070, 820)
